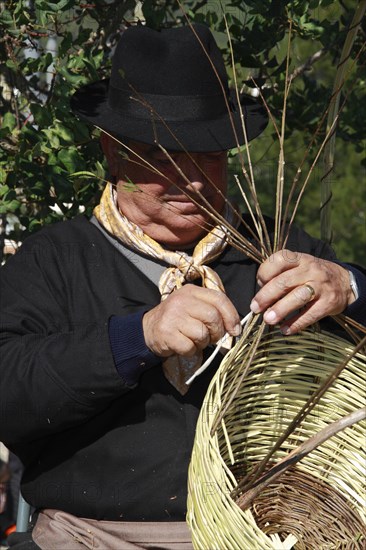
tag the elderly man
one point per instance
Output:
(103, 316)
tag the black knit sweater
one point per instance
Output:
(91, 445)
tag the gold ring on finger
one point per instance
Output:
(311, 291)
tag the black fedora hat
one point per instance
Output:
(163, 88)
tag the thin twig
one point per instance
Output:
(233, 390)
(245, 500)
(308, 63)
(218, 345)
(313, 400)
(261, 226)
(281, 159)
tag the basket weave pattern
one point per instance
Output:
(317, 504)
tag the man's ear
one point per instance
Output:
(110, 149)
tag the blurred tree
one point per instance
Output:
(48, 49)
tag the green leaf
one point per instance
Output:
(64, 132)
(45, 62)
(259, 32)
(82, 174)
(9, 121)
(11, 65)
(100, 170)
(76, 62)
(6, 17)
(69, 158)
(92, 65)
(34, 225)
(81, 131)
(11, 206)
(41, 114)
(53, 138)
(65, 44)
(3, 190)
(3, 175)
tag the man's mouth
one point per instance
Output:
(188, 199)
(187, 205)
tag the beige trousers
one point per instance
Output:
(56, 530)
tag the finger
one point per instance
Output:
(181, 344)
(310, 315)
(197, 301)
(193, 337)
(298, 298)
(305, 270)
(182, 338)
(196, 332)
(176, 317)
(228, 314)
(277, 263)
(275, 289)
(211, 318)
(186, 337)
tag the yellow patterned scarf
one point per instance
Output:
(184, 268)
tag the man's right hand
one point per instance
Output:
(188, 321)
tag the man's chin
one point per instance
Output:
(188, 231)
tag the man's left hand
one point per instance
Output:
(292, 281)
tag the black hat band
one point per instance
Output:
(167, 107)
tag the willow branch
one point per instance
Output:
(245, 500)
(313, 400)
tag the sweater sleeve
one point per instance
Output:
(131, 355)
(56, 372)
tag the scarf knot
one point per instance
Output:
(181, 269)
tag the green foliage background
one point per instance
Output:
(49, 49)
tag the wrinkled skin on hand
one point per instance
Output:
(188, 321)
(283, 278)
(192, 317)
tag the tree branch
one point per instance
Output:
(309, 63)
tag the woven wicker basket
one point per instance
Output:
(317, 504)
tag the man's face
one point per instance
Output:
(166, 201)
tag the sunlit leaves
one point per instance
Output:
(49, 49)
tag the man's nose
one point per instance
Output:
(192, 173)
